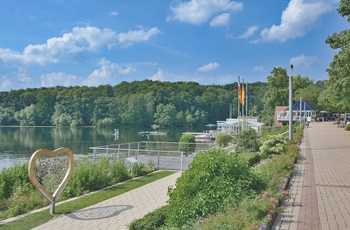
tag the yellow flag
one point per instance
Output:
(243, 95)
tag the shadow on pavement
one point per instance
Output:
(99, 212)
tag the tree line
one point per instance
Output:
(139, 103)
(143, 103)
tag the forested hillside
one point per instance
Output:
(139, 103)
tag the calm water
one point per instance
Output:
(17, 144)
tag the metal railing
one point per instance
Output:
(163, 155)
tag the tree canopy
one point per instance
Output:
(337, 94)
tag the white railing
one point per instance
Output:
(164, 155)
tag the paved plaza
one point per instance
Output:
(116, 213)
(320, 189)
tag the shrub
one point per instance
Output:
(151, 221)
(18, 195)
(139, 169)
(88, 176)
(25, 197)
(213, 181)
(251, 212)
(18, 173)
(347, 127)
(187, 144)
(246, 141)
(223, 139)
(276, 144)
(251, 158)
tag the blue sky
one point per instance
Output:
(46, 43)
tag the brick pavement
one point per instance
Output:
(320, 189)
(117, 212)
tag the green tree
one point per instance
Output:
(338, 93)
(26, 116)
(276, 94)
(165, 115)
(187, 144)
(246, 141)
(223, 139)
(310, 94)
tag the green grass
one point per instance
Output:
(42, 217)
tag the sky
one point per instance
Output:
(47, 43)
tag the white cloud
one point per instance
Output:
(135, 36)
(71, 45)
(258, 68)
(59, 78)
(114, 13)
(297, 19)
(250, 31)
(302, 60)
(5, 85)
(208, 67)
(159, 76)
(200, 11)
(220, 20)
(106, 74)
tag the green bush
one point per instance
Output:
(17, 174)
(251, 158)
(187, 144)
(213, 181)
(276, 144)
(18, 195)
(139, 169)
(151, 221)
(223, 139)
(246, 141)
(251, 212)
(88, 176)
(347, 127)
(24, 197)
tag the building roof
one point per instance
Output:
(304, 106)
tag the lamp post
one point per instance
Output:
(291, 104)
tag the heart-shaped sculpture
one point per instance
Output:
(52, 198)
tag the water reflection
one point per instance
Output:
(17, 144)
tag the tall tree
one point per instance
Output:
(338, 92)
(276, 94)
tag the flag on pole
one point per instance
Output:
(239, 93)
(243, 95)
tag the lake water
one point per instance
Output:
(17, 144)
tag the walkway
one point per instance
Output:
(117, 212)
(320, 190)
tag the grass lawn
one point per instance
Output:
(34, 220)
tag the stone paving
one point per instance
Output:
(117, 212)
(320, 189)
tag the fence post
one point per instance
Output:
(94, 156)
(182, 157)
(138, 149)
(158, 160)
(129, 150)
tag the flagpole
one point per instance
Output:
(246, 104)
(238, 107)
(242, 106)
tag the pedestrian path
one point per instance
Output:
(117, 212)
(320, 189)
